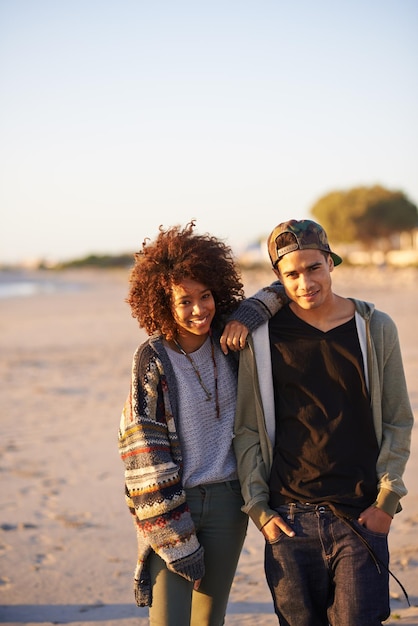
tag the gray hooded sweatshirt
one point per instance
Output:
(392, 413)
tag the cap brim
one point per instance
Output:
(337, 259)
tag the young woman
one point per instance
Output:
(176, 430)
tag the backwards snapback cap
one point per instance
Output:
(307, 235)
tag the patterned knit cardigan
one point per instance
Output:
(151, 451)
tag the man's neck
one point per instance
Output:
(329, 315)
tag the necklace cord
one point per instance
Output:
(198, 375)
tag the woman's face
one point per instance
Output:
(193, 308)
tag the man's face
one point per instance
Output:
(306, 277)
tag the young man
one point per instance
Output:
(322, 436)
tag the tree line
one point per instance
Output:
(365, 214)
(368, 215)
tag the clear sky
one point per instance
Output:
(118, 116)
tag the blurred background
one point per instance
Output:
(116, 117)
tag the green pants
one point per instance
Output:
(221, 527)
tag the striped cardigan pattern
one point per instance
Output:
(150, 450)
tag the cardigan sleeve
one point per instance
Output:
(259, 308)
(150, 450)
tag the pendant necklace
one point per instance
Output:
(198, 375)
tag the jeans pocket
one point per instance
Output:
(234, 487)
(276, 540)
(365, 532)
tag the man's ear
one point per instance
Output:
(276, 271)
(331, 264)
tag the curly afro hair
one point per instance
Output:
(177, 254)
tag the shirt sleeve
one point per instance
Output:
(390, 398)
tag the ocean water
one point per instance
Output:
(24, 284)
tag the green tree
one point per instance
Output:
(365, 214)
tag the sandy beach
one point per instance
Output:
(67, 543)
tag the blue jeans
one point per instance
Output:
(220, 527)
(326, 574)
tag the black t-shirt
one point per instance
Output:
(326, 448)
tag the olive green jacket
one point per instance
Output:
(392, 413)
